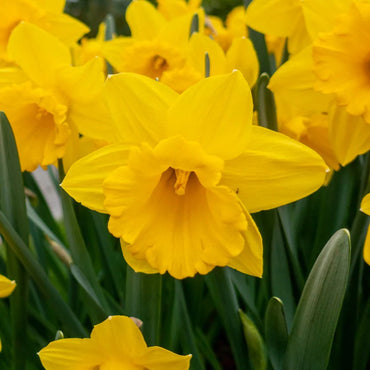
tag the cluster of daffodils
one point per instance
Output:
(167, 147)
(322, 92)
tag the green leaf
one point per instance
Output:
(224, 297)
(79, 252)
(256, 348)
(276, 332)
(182, 329)
(143, 300)
(362, 342)
(12, 203)
(39, 276)
(317, 314)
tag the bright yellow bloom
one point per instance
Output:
(51, 100)
(114, 344)
(171, 9)
(299, 21)
(155, 46)
(342, 60)
(6, 288)
(241, 55)
(46, 14)
(190, 168)
(234, 27)
(343, 136)
(365, 207)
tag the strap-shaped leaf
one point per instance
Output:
(316, 318)
(276, 332)
(256, 347)
(12, 203)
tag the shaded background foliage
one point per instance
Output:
(200, 315)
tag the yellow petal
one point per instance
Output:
(119, 338)
(66, 28)
(138, 265)
(241, 55)
(275, 17)
(366, 253)
(321, 16)
(176, 32)
(84, 180)
(88, 110)
(217, 113)
(293, 85)
(274, 170)
(11, 75)
(365, 204)
(138, 106)
(76, 354)
(250, 260)
(38, 53)
(350, 135)
(6, 286)
(157, 358)
(144, 20)
(114, 51)
(199, 45)
(56, 6)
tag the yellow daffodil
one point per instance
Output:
(171, 9)
(46, 14)
(189, 169)
(342, 60)
(343, 136)
(55, 101)
(155, 46)
(114, 344)
(6, 288)
(234, 27)
(241, 55)
(365, 207)
(299, 21)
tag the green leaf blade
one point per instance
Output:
(316, 318)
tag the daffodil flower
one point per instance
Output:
(46, 14)
(156, 44)
(190, 168)
(48, 102)
(6, 288)
(115, 344)
(343, 136)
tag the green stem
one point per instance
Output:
(223, 294)
(143, 301)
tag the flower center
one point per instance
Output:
(182, 178)
(159, 63)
